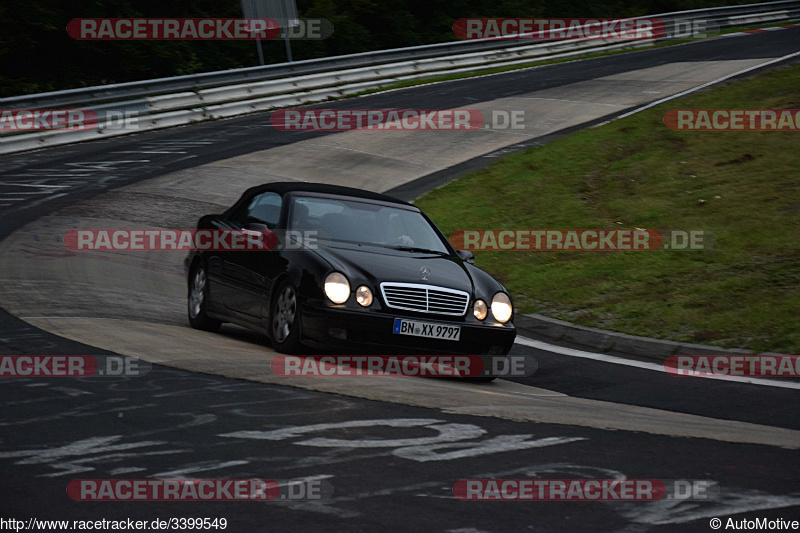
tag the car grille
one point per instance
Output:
(425, 298)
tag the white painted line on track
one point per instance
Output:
(603, 358)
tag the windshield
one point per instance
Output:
(356, 222)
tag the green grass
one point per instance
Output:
(635, 172)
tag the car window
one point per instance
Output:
(264, 208)
(363, 223)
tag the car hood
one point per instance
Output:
(376, 265)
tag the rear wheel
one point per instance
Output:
(198, 300)
(285, 319)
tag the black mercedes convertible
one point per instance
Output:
(348, 269)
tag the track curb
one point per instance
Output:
(595, 339)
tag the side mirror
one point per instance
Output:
(256, 226)
(467, 256)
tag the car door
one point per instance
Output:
(245, 270)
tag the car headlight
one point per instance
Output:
(501, 307)
(364, 296)
(479, 309)
(337, 288)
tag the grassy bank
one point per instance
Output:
(637, 173)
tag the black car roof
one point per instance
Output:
(282, 187)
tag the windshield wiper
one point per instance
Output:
(416, 249)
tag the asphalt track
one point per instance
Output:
(573, 418)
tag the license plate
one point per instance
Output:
(432, 330)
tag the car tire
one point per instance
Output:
(284, 319)
(197, 300)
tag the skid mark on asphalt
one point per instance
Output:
(201, 405)
(109, 447)
(421, 449)
(24, 187)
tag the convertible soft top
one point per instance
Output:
(282, 187)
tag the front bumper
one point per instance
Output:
(337, 328)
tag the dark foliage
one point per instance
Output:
(39, 56)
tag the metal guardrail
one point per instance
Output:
(166, 102)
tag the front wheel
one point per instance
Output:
(285, 319)
(198, 301)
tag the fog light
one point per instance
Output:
(364, 296)
(479, 309)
